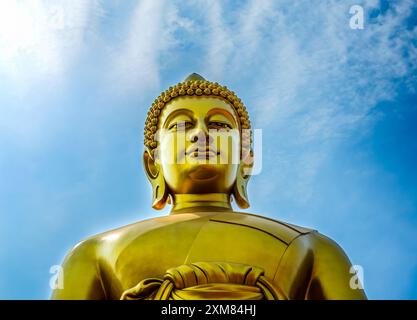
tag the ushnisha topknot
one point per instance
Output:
(194, 85)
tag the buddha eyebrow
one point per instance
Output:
(175, 113)
(217, 111)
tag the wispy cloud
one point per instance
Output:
(40, 40)
(314, 79)
(40, 45)
(136, 65)
(150, 34)
(220, 40)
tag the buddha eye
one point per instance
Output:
(219, 125)
(180, 125)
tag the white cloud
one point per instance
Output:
(40, 43)
(253, 21)
(137, 63)
(220, 40)
(40, 39)
(232, 36)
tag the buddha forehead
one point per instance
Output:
(199, 107)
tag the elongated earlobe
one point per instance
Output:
(156, 178)
(240, 187)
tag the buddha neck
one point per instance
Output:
(201, 202)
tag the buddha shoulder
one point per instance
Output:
(298, 243)
(285, 232)
(127, 233)
(192, 222)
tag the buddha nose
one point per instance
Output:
(201, 135)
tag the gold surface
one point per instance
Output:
(204, 249)
(206, 281)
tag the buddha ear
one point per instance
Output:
(156, 178)
(242, 178)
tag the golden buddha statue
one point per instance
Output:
(203, 249)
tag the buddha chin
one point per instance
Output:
(204, 173)
(201, 178)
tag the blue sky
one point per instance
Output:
(337, 108)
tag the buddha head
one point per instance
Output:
(198, 145)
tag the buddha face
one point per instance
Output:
(199, 145)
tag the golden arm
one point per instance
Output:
(314, 267)
(81, 274)
(331, 274)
